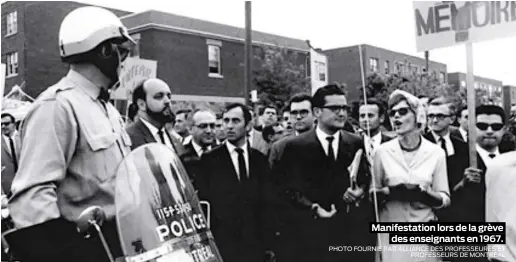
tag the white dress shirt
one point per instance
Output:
(154, 132)
(8, 143)
(234, 157)
(485, 155)
(322, 138)
(463, 133)
(447, 141)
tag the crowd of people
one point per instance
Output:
(282, 186)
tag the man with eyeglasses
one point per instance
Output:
(302, 119)
(73, 141)
(327, 206)
(490, 124)
(203, 139)
(10, 151)
(439, 119)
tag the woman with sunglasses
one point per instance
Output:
(410, 178)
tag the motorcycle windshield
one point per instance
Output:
(158, 213)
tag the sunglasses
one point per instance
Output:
(6, 123)
(485, 126)
(205, 125)
(402, 111)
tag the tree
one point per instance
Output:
(278, 76)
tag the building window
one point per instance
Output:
(214, 65)
(321, 70)
(462, 83)
(12, 64)
(387, 66)
(476, 85)
(373, 64)
(12, 23)
(442, 77)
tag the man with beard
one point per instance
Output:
(153, 100)
(72, 142)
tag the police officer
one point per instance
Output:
(72, 143)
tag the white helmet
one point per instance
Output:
(85, 28)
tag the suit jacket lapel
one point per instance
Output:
(147, 136)
(5, 147)
(225, 157)
(315, 146)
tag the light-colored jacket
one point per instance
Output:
(72, 145)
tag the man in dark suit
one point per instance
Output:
(462, 130)
(10, 151)
(203, 140)
(457, 154)
(234, 181)
(153, 100)
(325, 200)
(302, 119)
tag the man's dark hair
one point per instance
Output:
(319, 98)
(441, 100)
(299, 98)
(218, 116)
(183, 111)
(490, 110)
(268, 130)
(139, 93)
(13, 120)
(374, 101)
(132, 111)
(262, 108)
(245, 110)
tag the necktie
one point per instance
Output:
(492, 155)
(331, 154)
(204, 149)
(161, 137)
(13, 154)
(443, 145)
(242, 170)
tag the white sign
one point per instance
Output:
(135, 71)
(318, 70)
(447, 23)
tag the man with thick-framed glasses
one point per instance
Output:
(322, 195)
(10, 151)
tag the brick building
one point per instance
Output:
(491, 86)
(201, 60)
(344, 65)
(30, 43)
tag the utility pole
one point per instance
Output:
(248, 52)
